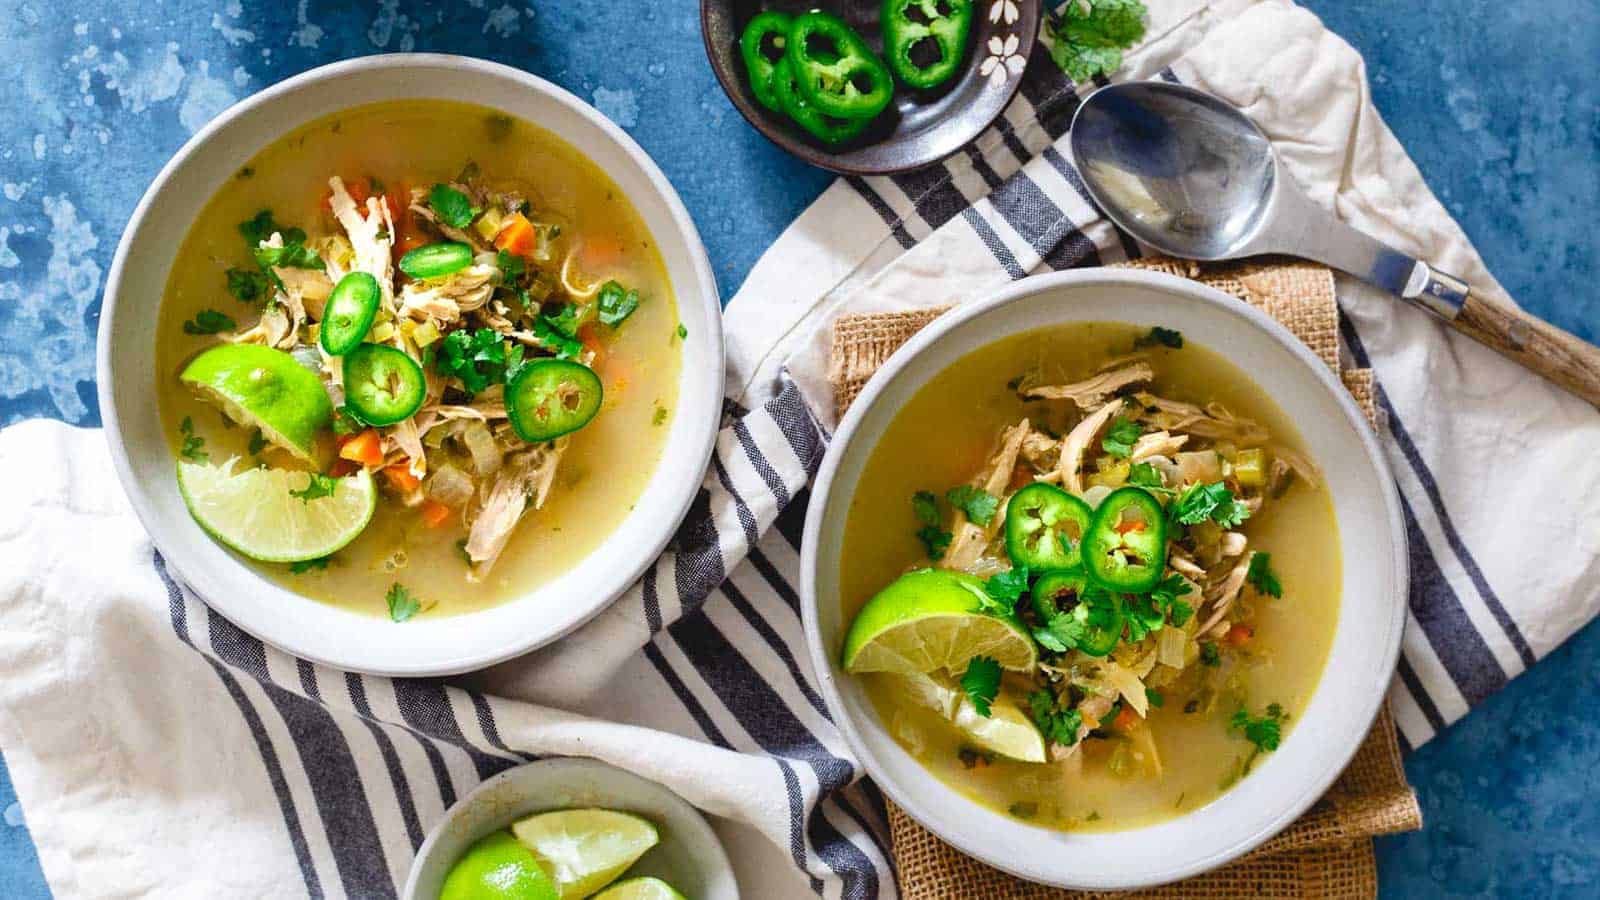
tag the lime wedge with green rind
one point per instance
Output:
(586, 849)
(1007, 730)
(267, 389)
(931, 620)
(254, 512)
(498, 867)
(639, 889)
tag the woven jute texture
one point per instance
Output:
(1327, 852)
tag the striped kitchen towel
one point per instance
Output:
(158, 750)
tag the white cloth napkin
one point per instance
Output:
(160, 751)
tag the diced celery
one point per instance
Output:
(382, 332)
(425, 334)
(1250, 467)
(488, 224)
(1112, 472)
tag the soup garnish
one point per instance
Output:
(1086, 631)
(419, 353)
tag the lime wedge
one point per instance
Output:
(498, 867)
(264, 388)
(639, 889)
(586, 849)
(932, 619)
(1007, 730)
(254, 512)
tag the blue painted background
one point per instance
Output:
(1495, 101)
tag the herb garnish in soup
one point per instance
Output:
(1094, 576)
(418, 357)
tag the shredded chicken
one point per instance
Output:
(273, 329)
(1093, 391)
(1041, 451)
(1213, 421)
(1302, 467)
(1223, 595)
(372, 238)
(970, 538)
(1233, 543)
(1070, 468)
(445, 299)
(1157, 443)
(525, 478)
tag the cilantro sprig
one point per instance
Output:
(453, 207)
(981, 683)
(1088, 36)
(319, 486)
(977, 503)
(934, 538)
(616, 303)
(193, 445)
(1261, 576)
(1210, 501)
(1120, 437)
(402, 603)
(1060, 726)
(1158, 336)
(209, 321)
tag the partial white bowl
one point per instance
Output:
(127, 367)
(689, 857)
(1372, 604)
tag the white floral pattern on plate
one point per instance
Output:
(1004, 10)
(1002, 58)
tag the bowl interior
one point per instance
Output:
(1371, 612)
(920, 127)
(145, 464)
(689, 857)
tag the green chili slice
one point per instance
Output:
(349, 313)
(827, 129)
(837, 72)
(382, 384)
(436, 260)
(761, 46)
(924, 41)
(548, 398)
(1103, 619)
(1126, 546)
(1044, 528)
(1057, 592)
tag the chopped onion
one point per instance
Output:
(1093, 496)
(1169, 647)
(451, 486)
(1200, 467)
(486, 455)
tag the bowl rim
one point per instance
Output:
(704, 282)
(719, 866)
(728, 80)
(1020, 289)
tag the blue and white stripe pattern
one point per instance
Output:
(362, 765)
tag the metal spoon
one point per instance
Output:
(1189, 174)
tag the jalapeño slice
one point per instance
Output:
(837, 72)
(349, 313)
(1045, 526)
(382, 384)
(1125, 549)
(436, 260)
(1099, 614)
(761, 45)
(548, 398)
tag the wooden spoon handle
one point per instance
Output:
(1561, 357)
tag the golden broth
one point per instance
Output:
(419, 143)
(945, 433)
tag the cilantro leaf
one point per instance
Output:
(682, 331)
(981, 682)
(1089, 37)
(1147, 476)
(347, 421)
(320, 485)
(549, 336)
(402, 603)
(935, 540)
(616, 303)
(289, 256)
(208, 321)
(451, 206)
(1062, 632)
(977, 503)
(1008, 587)
(193, 445)
(478, 358)
(1141, 617)
(568, 318)
(1154, 698)
(248, 286)
(926, 506)
(1265, 731)
(1210, 501)
(1060, 726)
(511, 266)
(1120, 437)
(1261, 576)
(262, 226)
(305, 565)
(1164, 337)
(1209, 655)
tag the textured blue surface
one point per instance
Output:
(1494, 100)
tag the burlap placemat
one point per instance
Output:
(1328, 851)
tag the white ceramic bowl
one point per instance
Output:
(127, 371)
(1372, 605)
(689, 857)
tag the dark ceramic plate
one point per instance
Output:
(918, 128)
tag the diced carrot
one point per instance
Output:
(1126, 720)
(1127, 525)
(601, 252)
(401, 479)
(434, 513)
(1240, 634)
(365, 448)
(342, 467)
(517, 236)
(590, 338)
